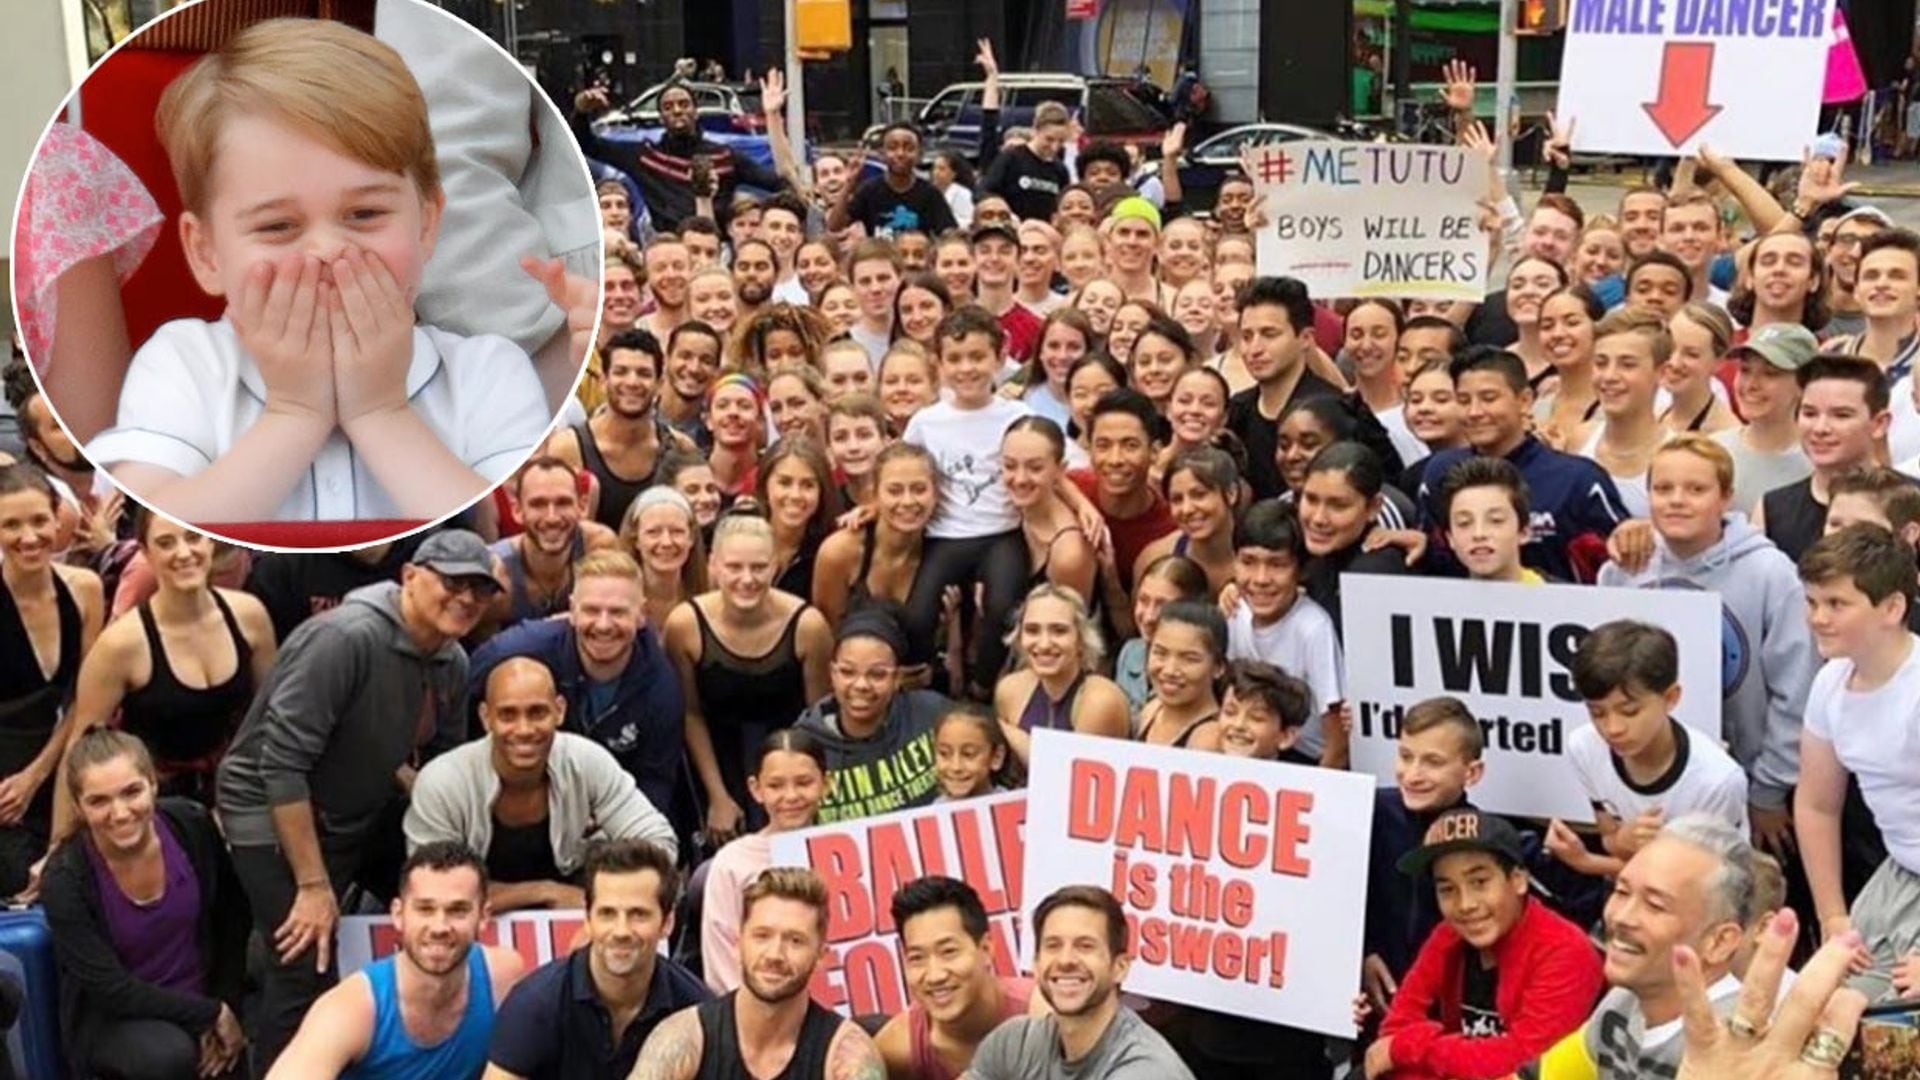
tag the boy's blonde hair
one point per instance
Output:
(330, 81)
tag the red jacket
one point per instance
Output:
(1550, 976)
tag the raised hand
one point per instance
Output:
(773, 92)
(1823, 180)
(571, 293)
(1474, 137)
(592, 101)
(1708, 163)
(372, 320)
(1457, 92)
(1174, 142)
(985, 58)
(280, 317)
(1559, 151)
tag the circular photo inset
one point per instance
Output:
(304, 283)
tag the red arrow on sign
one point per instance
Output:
(1686, 69)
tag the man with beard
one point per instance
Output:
(618, 687)
(665, 168)
(529, 798)
(427, 1010)
(1641, 209)
(1692, 886)
(356, 698)
(668, 264)
(622, 443)
(957, 997)
(1079, 963)
(619, 299)
(771, 1026)
(536, 567)
(693, 362)
(754, 268)
(585, 1016)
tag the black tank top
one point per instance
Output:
(721, 1059)
(188, 728)
(522, 852)
(616, 491)
(1794, 519)
(521, 603)
(745, 698)
(921, 639)
(30, 702)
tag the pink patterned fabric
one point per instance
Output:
(81, 202)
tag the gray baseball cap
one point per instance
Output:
(1787, 346)
(455, 553)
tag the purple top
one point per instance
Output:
(159, 942)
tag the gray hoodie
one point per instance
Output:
(892, 769)
(1767, 657)
(349, 700)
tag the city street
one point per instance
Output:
(1893, 187)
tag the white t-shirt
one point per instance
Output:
(1304, 644)
(1876, 735)
(1703, 779)
(790, 291)
(875, 344)
(965, 443)
(192, 391)
(1903, 437)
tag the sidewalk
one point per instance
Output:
(1883, 179)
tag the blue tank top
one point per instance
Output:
(393, 1055)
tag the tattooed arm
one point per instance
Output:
(673, 1051)
(853, 1056)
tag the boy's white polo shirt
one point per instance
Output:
(191, 391)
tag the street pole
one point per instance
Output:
(796, 88)
(1504, 81)
(1400, 40)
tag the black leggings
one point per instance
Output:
(142, 1050)
(999, 564)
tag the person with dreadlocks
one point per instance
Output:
(781, 335)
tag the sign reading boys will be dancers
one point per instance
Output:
(1373, 219)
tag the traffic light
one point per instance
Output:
(824, 26)
(1538, 18)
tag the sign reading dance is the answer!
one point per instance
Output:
(1506, 652)
(1374, 219)
(866, 860)
(1661, 77)
(1244, 882)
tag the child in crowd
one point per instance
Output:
(1165, 580)
(856, 433)
(1276, 622)
(1701, 543)
(1483, 501)
(1859, 723)
(1638, 765)
(312, 202)
(969, 750)
(1437, 759)
(789, 780)
(1265, 713)
(845, 367)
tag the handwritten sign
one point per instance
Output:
(1505, 652)
(1374, 219)
(865, 861)
(1663, 76)
(1244, 881)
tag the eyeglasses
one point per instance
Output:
(876, 676)
(479, 588)
(1846, 241)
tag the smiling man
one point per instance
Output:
(357, 695)
(536, 567)
(1500, 980)
(615, 683)
(584, 1016)
(664, 167)
(957, 997)
(529, 798)
(1079, 964)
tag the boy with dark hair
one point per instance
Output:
(1501, 980)
(1843, 421)
(1575, 505)
(1437, 760)
(1276, 336)
(1277, 623)
(1860, 723)
(1264, 713)
(897, 200)
(1639, 766)
(1484, 503)
(1124, 433)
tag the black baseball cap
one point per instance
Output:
(1463, 829)
(993, 228)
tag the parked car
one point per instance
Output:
(1205, 164)
(720, 108)
(1109, 109)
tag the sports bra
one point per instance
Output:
(188, 727)
(1043, 712)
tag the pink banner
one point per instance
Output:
(1846, 81)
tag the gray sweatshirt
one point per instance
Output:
(1767, 656)
(589, 797)
(349, 701)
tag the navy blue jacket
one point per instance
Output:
(1401, 910)
(1574, 502)
(643, 723)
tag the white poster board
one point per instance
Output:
(1661, 77)
(1373, 219)
(866, 860)
(1244, 881)
(1505, 651)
